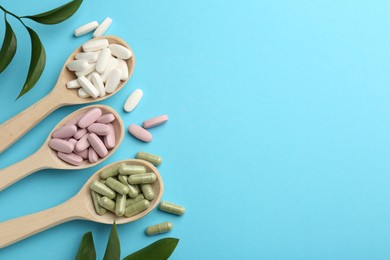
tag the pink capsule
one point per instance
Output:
(97, 145)
(140, 133)
(61, 145)
(70, 158)
(65, 131)
(105, 119)
(158, 120)
(92, 155)
(80, 133)
(74, 120)
(89, 118)
(109, 139)
(82, 144)
(99, 129)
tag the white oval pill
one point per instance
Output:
(113, 63)
(73, 84)
(98, 83)
(88, 56)
(65, 131)
(89, 118)
(81, 93)
(102, 27)
(103, 60)
(77, 65)
(86, 28)
(120, 51)
(95, 45)
(88, 87)
(113, 80)
(91, 68)
(133, 100)
(122, 65)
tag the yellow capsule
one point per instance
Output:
(135, 200)
(142, 178)
(117, 186)
(107, 203)
(95, 198)
(133, 189)
(159, 228)
(154, 159)
(136, 208)
(126, 169)
(172, 208)
(110, 171)
(147, 191)
(120, 205)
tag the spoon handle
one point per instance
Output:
(14, 128)
(19, 170)
(20, 228)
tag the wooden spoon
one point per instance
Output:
(46, 158)
(77, 207)
(16, 127)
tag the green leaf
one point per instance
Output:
(159, 250)
(87, 248)
(8, 48)
(113, 249)
(58, 14)
(37, 62)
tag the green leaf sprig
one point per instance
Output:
(38, 54)
(159, 250)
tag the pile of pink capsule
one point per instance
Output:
(88, 136)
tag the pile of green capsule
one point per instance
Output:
(123, 189)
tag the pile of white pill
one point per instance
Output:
(99, 30)
(99, 68)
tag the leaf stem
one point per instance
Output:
(14, 15)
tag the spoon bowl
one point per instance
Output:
(46, 158)
(60, 96)
(78, 207)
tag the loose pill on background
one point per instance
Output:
(122, 65)
(152, 158)
(89, 118)
(95, 45)
(81, 93)
(107, 203)
(65, 131)
(95, 198)
(88, 56)
(113, 80)
(172, 208)
(110, 172)
(147, 190)
(135, 200)
(155, 121)
(120, 51)
(70, 158)
(105, 119)
(99, 129)
(120, 205)
(136, 208)
(140, 133)
(98, 83)
(117, 186)
(126, 169)
(80, 133)
(61, 145)
(102, 189)
(133, 100)
(103, 60)
(77, 65)
(103, 27)
(92, 155)
(159, 228)
(86, 28)
(109, 139)
(142, 178)
(72, 84)
(82, 144)
(97, 145)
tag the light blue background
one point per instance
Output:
(278, 141)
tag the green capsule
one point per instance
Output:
(142, 178)
(147, 191)
(136, 208)
(103, 181)
(126, 169)
(172, 208)
(133, 189)
(117, 186)
(120, 205)
(102, 189)
(95, 198)
(159, 228)
(135, 200)
(154, 159)
(110, 171)
(107, 203)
